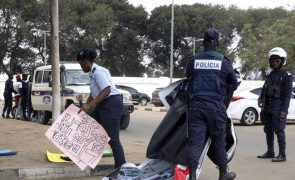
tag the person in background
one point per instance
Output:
(275, 100)
(105, 102)
(209, 74)
(29, 103)
(24, 94)
(8, 96)
(17, 98)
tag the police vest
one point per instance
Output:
(207, 70)
(274, 84)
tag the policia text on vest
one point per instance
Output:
(207, 64)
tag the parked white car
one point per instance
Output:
(244, 106)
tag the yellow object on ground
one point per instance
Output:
(56, 157)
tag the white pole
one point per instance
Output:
(172, 30)
(56, 104)
(44, 49)
(194, 46)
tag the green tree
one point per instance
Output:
(191, 21)
(16, 53)
(265, 29)
(114, 28)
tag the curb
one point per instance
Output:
(156, 109)
(54, 172)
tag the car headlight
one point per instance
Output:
(127, 97)
(79, 97)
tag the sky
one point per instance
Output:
(243, 4)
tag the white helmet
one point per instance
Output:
(278, 52)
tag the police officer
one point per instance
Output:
(24, 96)
(105, 101)
(275, 99)
(29, 102)
(8, 96)
(208, 73)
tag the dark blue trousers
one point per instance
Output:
(204, 123)
(108, 114)
(24, 105)
(274, 125)
(7, 102)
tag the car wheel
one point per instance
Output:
(125, 119)
(143, 101)
(44, 117)
(249, 117)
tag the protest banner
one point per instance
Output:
(79, 136)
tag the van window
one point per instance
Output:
(38, 77)
(76, 77)
(46, 76)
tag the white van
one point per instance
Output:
(74, 83)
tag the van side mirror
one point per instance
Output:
(50, 83)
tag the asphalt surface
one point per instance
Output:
(30, 163)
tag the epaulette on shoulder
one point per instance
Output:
(93, 70)
(227, 58)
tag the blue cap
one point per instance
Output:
(211, 36)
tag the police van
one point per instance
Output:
(74, 87)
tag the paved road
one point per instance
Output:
(142, 126)
(251, 142)
(245, 164)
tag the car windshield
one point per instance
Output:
(77, 78)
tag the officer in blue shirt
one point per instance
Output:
(105, 101)
(274, 101)
(209, 73)
(8, 96)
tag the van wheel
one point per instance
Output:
(125, 119)
(44, 117)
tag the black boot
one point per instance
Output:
(281, 157)
(8, 117)
(3, 114)
(268, 154)
(224, 175)
(8, 112)
(192, 173)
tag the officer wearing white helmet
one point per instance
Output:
(274, 101)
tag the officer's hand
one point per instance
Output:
(85, 108)
(283, 115)
(259, 103)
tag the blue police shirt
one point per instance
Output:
(100, 78)
(227, 76)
